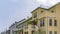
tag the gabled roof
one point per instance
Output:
(46, 8)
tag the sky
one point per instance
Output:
(16, 10)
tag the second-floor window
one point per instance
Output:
(42, 11)
(52, 11)
(35, 15)
(55, 22)
(42, 22)
(50, 22)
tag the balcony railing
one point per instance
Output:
(26, 27)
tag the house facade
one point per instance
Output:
(48, 19)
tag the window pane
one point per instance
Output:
(35, 15)
(50, 22)
(55, 32)
(42, 22)
(32, 32)
(52, 11)
(42, 11)
(50, 32)
(55, 22)
(26, 32)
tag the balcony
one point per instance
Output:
(34, 27)
(30, 27)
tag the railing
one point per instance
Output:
(33, 27)
(25, 27)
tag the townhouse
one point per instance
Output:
(48, 20)
(19, 27)
(12, 28)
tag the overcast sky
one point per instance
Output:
(16, 10)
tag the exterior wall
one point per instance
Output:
(46, 15)
(41, 16)
(30, 29)
(56, 9)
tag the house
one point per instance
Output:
(48, 20)
(12, 28)
(7, 31)
(19, 27)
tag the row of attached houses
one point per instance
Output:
(43, 21)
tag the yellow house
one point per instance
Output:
(48, 20)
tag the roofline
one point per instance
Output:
(40, 8)
(46, 8)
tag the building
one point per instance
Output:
(19, 27)
(7, 31)
(12, 28)
(48, 20)
(43, 21)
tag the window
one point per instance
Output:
(42, 22)
(55, 22)
(52, 11)
(35, 15)
(50, 22)
(32, 32)
(50, 32)
(55, 32)
(26, 32)
(41, 11)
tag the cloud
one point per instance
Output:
(41, 1)
(47, 3)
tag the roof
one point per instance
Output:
(46, 8)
